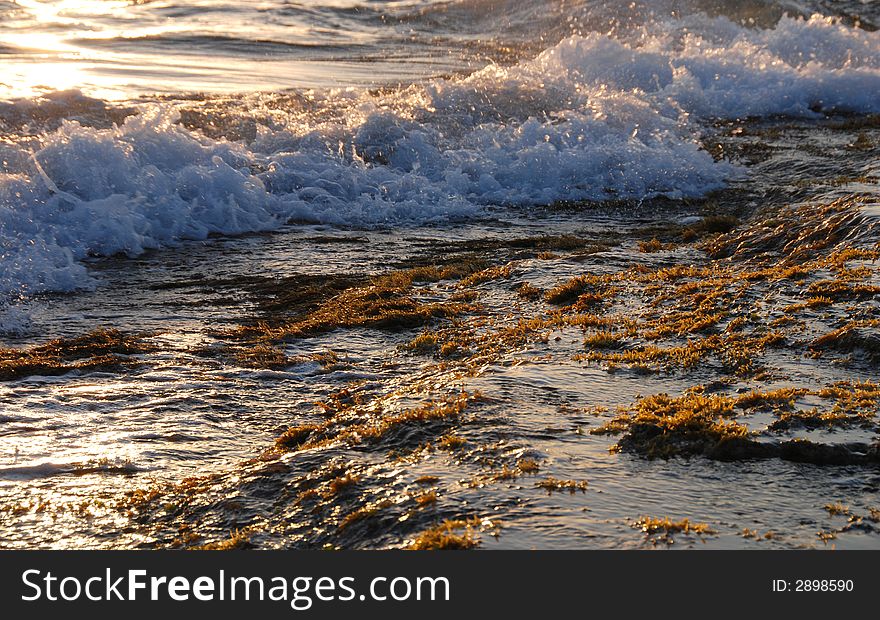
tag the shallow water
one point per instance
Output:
(135, 203)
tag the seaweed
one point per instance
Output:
(387, 302)
(551, 484)
(455, 534)
(107, 350)
(692, 425)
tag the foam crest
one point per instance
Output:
(592, 118)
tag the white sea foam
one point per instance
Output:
(591, 118)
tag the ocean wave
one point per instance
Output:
(592, 118)
(196, 44)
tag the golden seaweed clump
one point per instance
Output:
(426, 499)
(603, 340)
(451, 442)
(426, 341)
(663, 529)
(586, 289)
(295, 436)
(238, 539)
(855, 398)
(363, 513)
(340, 484)
(854, 336)
(855, 403)
(809, 419)
(842, 289)
(486, 275)
(837, 509)
(529, 291)
(263, 356)
(737, 352)
(661, 426)
(782, 398)
(432, 412)
(102, 349)
(528, 465)
(388, 302)
(450, 534)
(649, 247)
(551, 484)
(376, 426)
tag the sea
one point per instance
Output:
(167, 166)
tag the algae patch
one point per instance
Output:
(106, 350)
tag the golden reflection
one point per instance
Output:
(43, 52)
(39, 77)
(114, 49)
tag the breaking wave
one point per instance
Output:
(593, 117)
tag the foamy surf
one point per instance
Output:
(592, 118)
